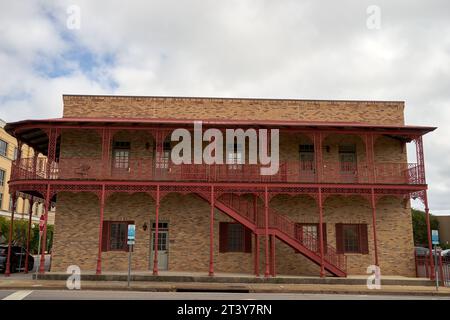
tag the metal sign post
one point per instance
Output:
(435, 241)
(41, 231)
(130, 243)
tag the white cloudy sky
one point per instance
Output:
(266, 48)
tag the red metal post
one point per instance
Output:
(430, 246)
(100, 231)
(266, 218)
(106, 151)
(441, 270)
(374, 226)
(29, 233)
(44, 235)
(211, 235)
(370, 158)
(318, 155)
(155, 244)
(256, 255)
(322, 258)
(11, 227)
(272, 255)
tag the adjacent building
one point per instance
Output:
(339, 202)
(8, 154)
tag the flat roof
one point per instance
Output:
(226, 98)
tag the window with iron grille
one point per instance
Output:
(234, 237)
(1, 201)
(2, 177)
(3, 148)
(121, 155)
(352, 238)
(114, 236)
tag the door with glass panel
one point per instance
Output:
(348, 168)
(163, 245)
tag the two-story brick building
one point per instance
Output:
(339, 202)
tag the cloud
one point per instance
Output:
(287, 49)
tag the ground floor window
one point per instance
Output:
(114, 237)
(352, 238)
(234, 237)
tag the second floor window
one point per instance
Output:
(235, 157)
(162, 158)
(3, 148)
(2, 177)
(121, 155)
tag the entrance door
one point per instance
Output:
(348, 163)
(163, 246)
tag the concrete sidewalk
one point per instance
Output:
(19, 283)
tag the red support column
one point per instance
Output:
(322, 261)
(318, 156)
(106, 152)
(370, 158)
(29, 233)
(100, 231)
(211, 235)
(266, 217)
(11, 227)
(272, 255)
(256, 255)
(430, 246)
(155, 244)
(374, 226)
(44, 235)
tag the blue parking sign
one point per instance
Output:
(131, 232)
(435, 236)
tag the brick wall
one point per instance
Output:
(77, 219)
(374, 112)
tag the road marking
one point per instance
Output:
(18, 295)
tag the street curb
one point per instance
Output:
(241, 289)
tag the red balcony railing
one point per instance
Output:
(144, 169)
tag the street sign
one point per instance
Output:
(131, 232)
(130, 242)
(435, 236)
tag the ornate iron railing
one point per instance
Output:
(285, 225)
(144, 169)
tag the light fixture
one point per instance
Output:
(144, 227)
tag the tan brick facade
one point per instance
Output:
(77, 219)
(373, 112)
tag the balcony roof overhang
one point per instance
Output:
(33, 132)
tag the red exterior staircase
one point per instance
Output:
(253, 217)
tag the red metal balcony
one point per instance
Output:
(144, 169)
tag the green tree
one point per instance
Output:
(420, 227)
(20, 234)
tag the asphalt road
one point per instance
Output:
(134, 295)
